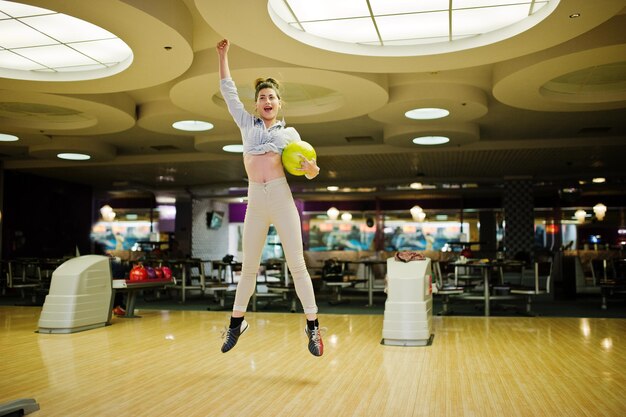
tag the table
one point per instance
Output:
(609, 287)
(486, 269)
(222, 267)
(131, 288)
(369, 275)
(282, 263)
(185, 265)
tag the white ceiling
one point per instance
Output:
(548, 104)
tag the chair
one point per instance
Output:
(442, 289)
(468, 275)
(542, 274)
(25, 276)
(333, 273)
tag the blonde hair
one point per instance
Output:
(262, 83)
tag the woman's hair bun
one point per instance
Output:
(270, 81)
(262, 83)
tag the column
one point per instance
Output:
(519, 232)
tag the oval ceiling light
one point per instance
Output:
(69, 156)
(4, 137)
(403, 28)
(233, 148)
(192, 125)
(73, 149)
(431, 140)
(46, 45)
(598, 180)
(426, 113)
(332, 188)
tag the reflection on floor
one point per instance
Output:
(168, 363)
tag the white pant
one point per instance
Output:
(272, 203)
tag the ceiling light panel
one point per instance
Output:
(14, 34)
(11, 60)
(385, 7)
(56, 56)
(328, 9)
(37, 41)
(105, 51)
(413, 26)
(283, 12)
(75, 68)
(21, 10)
(358, 30)
(488, 19)
(66, 29)
(400, 23)
(464, 4)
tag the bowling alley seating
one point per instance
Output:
(23, 275)
(541, 275)
(443, 289)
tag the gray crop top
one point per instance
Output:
(256, 138)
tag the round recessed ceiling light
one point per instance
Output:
(73, 156)
(48, 46)
(598, 180)
(8, 138)
(192, 125)
(233, 148)
(431, 140)
(426, 113)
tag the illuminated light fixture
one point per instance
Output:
(552, 228)
(418, 213)
(346, 216)
(70, 156)
(165, 200)
(416, 185)
(107, 213)
(8, 138)
(233, 148)
(598, 180)
(43, 44)
(426, 113)
(580, 215)
(574, 15)
(192, 125)
(332, 188)
(431, 140)
(332, 213)
(394, 28)
(600, 211)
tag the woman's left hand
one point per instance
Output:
(309, 166)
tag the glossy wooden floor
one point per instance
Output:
(169, 364)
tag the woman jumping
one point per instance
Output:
(269, 199)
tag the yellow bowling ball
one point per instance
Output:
(291, 156)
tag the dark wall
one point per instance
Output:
(43, 217)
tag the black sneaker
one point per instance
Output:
(231, 336)
(316, 346)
